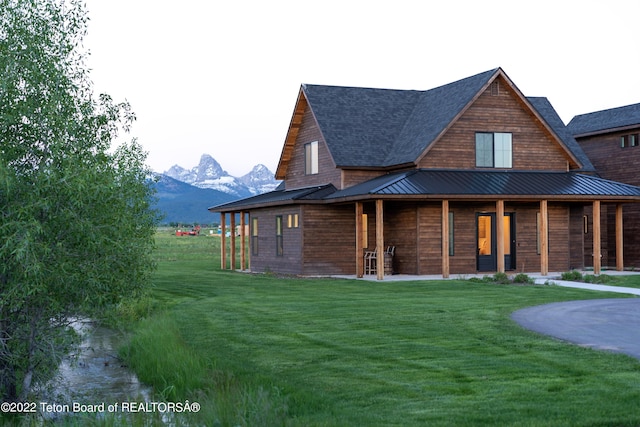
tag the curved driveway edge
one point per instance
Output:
(604, 324)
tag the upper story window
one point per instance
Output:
(629, 140)
(493, 150)
(311, 158)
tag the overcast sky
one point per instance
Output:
(222, 77)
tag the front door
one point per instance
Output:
(487, 244)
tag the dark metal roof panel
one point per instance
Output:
(277, 197)
(484, 183)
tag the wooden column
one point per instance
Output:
(500, 234)
(619, 239)
(223, 241)
(232, 226)
(544, 238)
(597, 250)
(359, 249)
(379, 240)
(243, 242)
(445, 239)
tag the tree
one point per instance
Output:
(76, 227)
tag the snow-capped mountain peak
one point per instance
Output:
(209, 174)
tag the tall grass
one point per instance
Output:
(264, 350)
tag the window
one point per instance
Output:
(279, 242)
(254, 236)
(292, 221)
(493, 150)
(629, 140)
(311, 158)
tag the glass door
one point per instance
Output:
(486, 241)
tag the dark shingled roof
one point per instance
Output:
(601, 121)
(546, 110)
(382, 127)
(449, 183)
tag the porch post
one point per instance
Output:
(544, 238)
(445, 239)
(232, 226)
(243, 243)
(619, 239)
(359, 231)
(500, 234)
(379, 240)
(597, 251)
(223, 241)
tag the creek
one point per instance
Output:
(92, 376)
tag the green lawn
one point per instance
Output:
(267, 350)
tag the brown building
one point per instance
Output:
(468, 177)
(610, 138)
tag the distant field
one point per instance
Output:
(264, 350)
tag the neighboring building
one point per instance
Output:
(468, 177)
(611, 140)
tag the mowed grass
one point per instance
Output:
(267, 350)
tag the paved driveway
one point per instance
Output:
(603, 324)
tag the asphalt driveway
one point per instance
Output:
(603, 324)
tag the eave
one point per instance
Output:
(292, 135)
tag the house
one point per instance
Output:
(468, 177)
(611, 140)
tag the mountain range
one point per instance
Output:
(183, 195)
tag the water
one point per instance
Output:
(93, 378)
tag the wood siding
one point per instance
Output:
(415, 230)
(327, 172)
(618, 164)
(610, 159)
(329, 236)
(533, 148)
(266, 259)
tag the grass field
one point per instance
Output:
(267, 350)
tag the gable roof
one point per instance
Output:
(605, 120)
(365, 127)
(385, 128)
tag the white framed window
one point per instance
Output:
(494, 150)
(311, 158)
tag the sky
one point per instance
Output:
(222, 77)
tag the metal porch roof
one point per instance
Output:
(489, 183)
(276, 197)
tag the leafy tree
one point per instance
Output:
(76, 227)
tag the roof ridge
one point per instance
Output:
(425, 100)
(399, 177)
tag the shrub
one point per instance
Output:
(501, 278)
(523, 278)
(573, 276)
